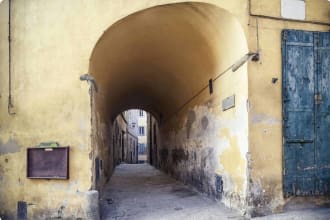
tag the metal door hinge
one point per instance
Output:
(318, 98)
(285, 35)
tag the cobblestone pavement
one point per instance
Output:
(141, 192)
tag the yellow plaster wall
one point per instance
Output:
(265, 101)
(232, 163)
(50, 103)
(226, 133)
(316, 10)
(264, 7)
(51, 45)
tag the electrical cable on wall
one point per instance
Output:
(257, 30)
(234, 67)
(10, 102)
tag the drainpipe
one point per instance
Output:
(10, 103)
(90, 80)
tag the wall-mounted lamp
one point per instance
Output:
(253, 56)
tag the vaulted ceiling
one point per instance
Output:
(158, 58)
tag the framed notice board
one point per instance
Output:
(48, 163)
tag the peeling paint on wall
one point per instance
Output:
(190, 120)
(205, 122)
(234, 164)
(210, 151)
(265, 119)
(10, 147)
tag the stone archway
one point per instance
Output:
(159, 58)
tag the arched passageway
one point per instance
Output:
(161, 60)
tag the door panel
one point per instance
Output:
(323, 113)
(299, 126)
(306, 112)
(298, 112)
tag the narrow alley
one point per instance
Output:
(139, 191)
(164, 109)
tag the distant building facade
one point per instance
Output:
(125, 139)
(137, 123)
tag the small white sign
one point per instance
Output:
(293, 9)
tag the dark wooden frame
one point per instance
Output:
(37, 166)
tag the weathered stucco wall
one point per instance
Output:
(103, 164)
(50, 103)
(204, 146)
(203, 143)
(265, 101)
(155, 155)
(160, 56)
(112, 144)
(51, 46)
